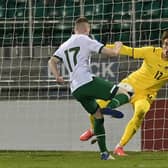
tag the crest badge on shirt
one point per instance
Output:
(166, 67)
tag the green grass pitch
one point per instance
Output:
(59, 159)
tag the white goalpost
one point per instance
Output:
(30, 31)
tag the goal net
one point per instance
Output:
(30, 31)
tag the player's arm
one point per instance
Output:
(53, 66)
(129, 51)
(124, 50)
(112, 51)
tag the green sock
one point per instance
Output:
(118, 100)
(100, 133)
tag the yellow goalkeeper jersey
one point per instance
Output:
(152, 74)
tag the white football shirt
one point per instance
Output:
(75, 53)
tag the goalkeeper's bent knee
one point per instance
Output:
(126, 88)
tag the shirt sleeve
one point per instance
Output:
(142, 52)
(134, 52)
(57, 54)
(94, 45)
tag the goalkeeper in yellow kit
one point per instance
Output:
(146, 82)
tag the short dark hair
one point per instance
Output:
(164, 36)
(81, 20)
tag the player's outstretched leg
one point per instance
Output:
(89, 133)
(106, 111)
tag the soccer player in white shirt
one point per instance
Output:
(86, 87)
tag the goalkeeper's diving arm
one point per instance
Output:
(129, 51)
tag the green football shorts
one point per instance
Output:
(98, 88)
